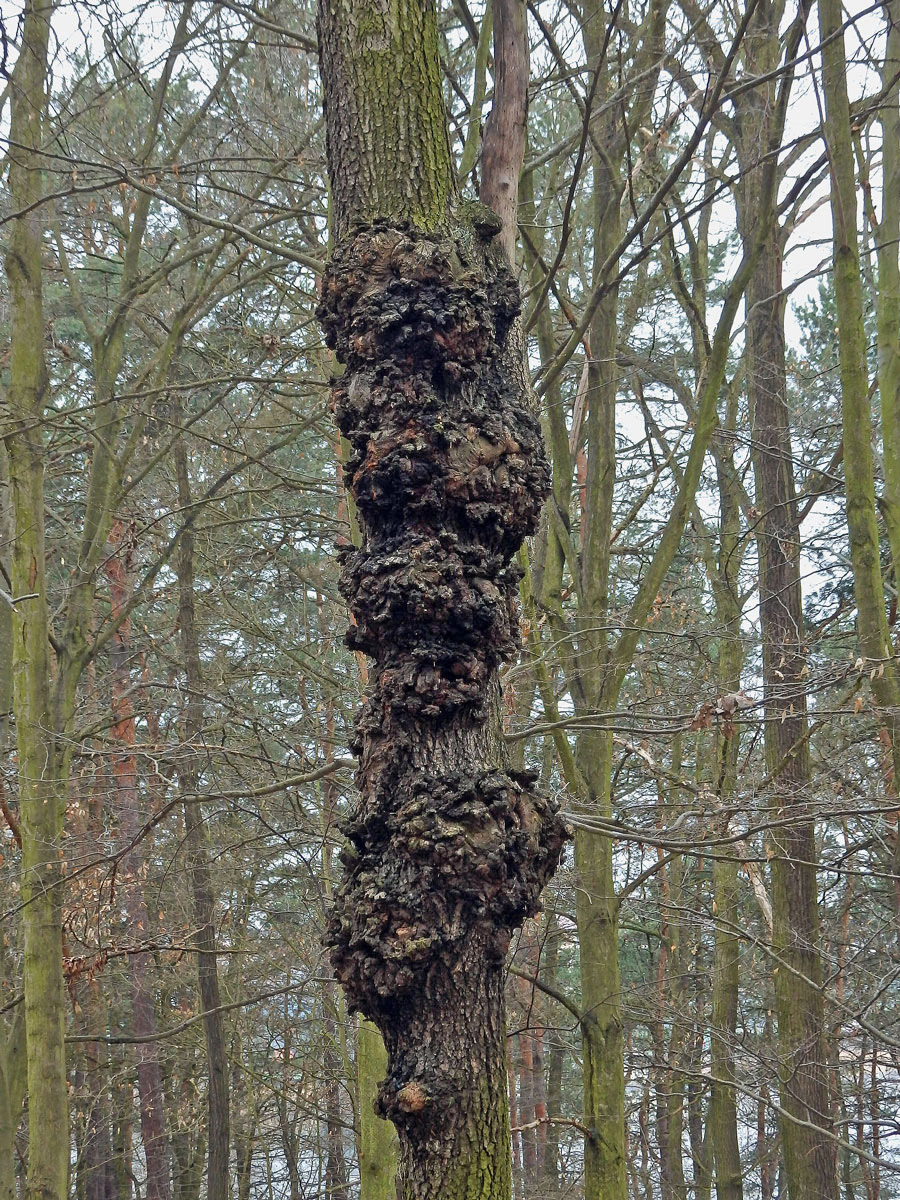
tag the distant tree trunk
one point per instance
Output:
(12, 1032)
(722, 1118)
(100, 1181)
(12, 1094)
(377, 1149)
(668, 1053)
(219, 1135)
(448, 849)
(888, 238)
(518, 1179)
(551, 1171)
(862, 521)
(244, 1129)
(97, 1176)
(118, 570)
(809, 1153)
(42, 760)
(336, 1177)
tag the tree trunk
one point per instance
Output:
(118, 570)
(888, 239)
(96, 1170)
(526, 1112)
(551, 1172)
(12, 1095)
(448, 849)
(12, 1031)
(723, 1128)
(859, 475)
(198, 858)
(336, 1181)
(377, 1138)
(41, 761)
(809, 1155)
(245, 1121)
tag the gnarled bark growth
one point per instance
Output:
(448, 849)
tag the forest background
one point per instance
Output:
(707, 677)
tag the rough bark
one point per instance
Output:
(373, 55)
(447, 848)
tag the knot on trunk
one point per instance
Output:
(392, 291)
(426, 867)
(440, 430)
(438, 615)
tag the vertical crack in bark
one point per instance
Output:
(448, 849)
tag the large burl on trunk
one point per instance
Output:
(447, 849)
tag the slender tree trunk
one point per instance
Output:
(448, 849)
(336, 1178)
(12, 1095)
(245, 1121)
(722, 1117)
(198, 859)
(859, 475)
(377, 1140)
(123, 1128)
(518, 1179)
(551, 1171)
(99, 1174)
(12, 1031)
(41, 761)
(118, 570)
(809, 1154)
(888, 308)
(97, 1178)
(526, 1112)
